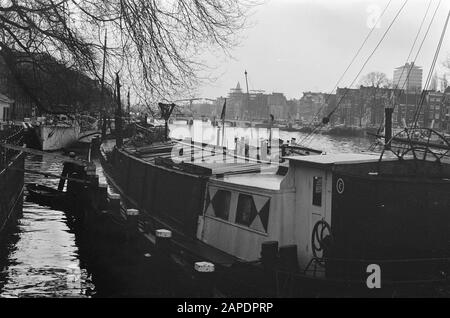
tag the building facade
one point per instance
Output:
(364, 107)
(256, 105)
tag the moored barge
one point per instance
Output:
(310, 226)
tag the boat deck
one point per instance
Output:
(196, 158)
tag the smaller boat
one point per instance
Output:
(47, 196)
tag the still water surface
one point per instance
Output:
(42, 257)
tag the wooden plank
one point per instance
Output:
(44, 153)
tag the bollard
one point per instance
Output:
(132, 219)
(93, 178)
(235, 149)
(162, 246)
(269, 254)
(205, 279)
(162, 242)
(288, 258)
(114, 204)
(103, 196)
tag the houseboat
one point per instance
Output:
(310, 225)
(61, 131)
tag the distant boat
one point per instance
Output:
(61, 131)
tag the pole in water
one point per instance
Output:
(119, 137)
(388, 127)
(162, 245)
(204, 275)
(103, 89)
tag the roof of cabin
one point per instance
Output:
(255, 180)
(5, 99)
(335, 159)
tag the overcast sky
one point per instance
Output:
(294, 46)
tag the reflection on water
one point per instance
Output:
(42, 258)
(206, 133)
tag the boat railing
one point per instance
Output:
(419, 143)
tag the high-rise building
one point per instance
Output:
(408, 77)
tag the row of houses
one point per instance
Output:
(258, 105)
(364, 107)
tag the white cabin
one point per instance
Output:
(243, 211)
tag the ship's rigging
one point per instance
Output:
(316, 128)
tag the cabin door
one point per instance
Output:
(320, 228)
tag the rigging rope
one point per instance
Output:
(430, 74)
(352, 61)
(372, 147)
(326, 119)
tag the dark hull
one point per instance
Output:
(11, 191)
(142, 186)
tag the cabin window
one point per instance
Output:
(317, 191)
(246, 210)
(221, 204)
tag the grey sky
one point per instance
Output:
(300, 45)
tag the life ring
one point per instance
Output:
(321, 239)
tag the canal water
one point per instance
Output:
(43, 257)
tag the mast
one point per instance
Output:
(103, 90)
(118, 123)
(223, 122)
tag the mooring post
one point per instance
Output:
(205, 278)
(118, 118)
(132, 224)
(288, 258)
(132, 219)
(247, 152)
(114, 204)
(235, 149)
(91, 171)
(162, 242)
(93, 178)
(103, 196)
(269, 254)
(95, 146)
(258, 154)
(163, 245)
(68, 169)
(388, 127)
